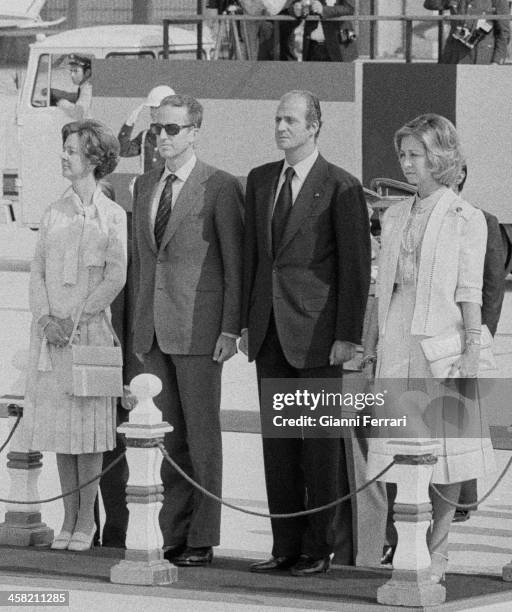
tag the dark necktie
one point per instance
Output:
(164, 209)
(282, 209)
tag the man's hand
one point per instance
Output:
(128, 401)
(317, 7)
(132, 119)
(224, 349)
(340, 352)
(243, 345)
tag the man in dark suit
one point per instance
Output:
(475, 41)
(187, 238)
(324, 40)
(306, 279)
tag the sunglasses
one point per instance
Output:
(171, 129)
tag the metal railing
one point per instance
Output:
(407, 20)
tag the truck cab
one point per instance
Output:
(38, 118)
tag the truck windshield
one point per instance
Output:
(53, 81)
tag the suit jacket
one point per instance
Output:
(317, 286)
(338, 51)
(493, 289)
(493, 48)
(189, 291)
(451, 263)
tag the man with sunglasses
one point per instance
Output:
(187, 238)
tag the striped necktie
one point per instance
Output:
(164, 209)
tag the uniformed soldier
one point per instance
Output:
(144, 144)
(475, 41)
(77, 106)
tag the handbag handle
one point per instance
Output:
(107, 321)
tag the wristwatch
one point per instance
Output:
(368, 359)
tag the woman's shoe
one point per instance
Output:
(61, 541)
(438, 567)
(82, 541)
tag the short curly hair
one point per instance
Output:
(98, 142)
(441, 142)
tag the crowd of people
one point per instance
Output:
(282, 271)
(470, 41)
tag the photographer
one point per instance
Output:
(474, 41)
(326, 41)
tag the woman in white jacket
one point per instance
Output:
(430, 283)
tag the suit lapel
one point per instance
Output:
(190, 199)
(146, 199)
(308, 198)
(266, 193)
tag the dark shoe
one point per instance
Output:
(273, 564)
(172, 553)
(461, 515)
(306, 566)
(388, 552)
(194, 557)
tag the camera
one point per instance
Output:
(347, 35)
(306, 8)
(471, 37)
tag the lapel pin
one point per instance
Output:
(316, 195)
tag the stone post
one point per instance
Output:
(144, 563)
(22, 525)
(410, 583)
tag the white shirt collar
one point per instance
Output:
(302, 168)
(183, 172)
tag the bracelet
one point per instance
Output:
(472, 330)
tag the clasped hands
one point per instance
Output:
(57, 331)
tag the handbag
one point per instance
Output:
(96, 371)
(442, 350)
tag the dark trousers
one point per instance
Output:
(299, 473)
(113, 494)
(317, 52)
(113, 483)
(469, 493)
(190, 402)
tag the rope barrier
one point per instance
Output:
(472, 505)
(336, 502)
(11, 433)
(75, 490)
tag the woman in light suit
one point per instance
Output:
(430, 283)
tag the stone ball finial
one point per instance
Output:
(145, 386)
